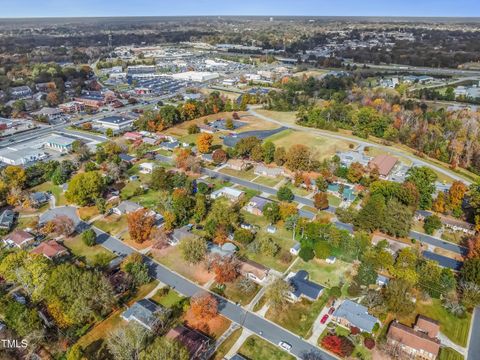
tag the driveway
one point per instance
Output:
(474, 343)
(262, 327)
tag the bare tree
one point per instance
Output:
(126, 343)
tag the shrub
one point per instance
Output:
(89, 237)
(335, 292)
(369, 343)
(306, 254)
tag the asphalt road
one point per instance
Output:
(424, 238)
(474, 343)
(389, 149)
(236, 313)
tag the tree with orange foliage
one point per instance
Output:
(190, 110)
(355, 172)
(181, 158)
(52, 99)
(140, 224)
(204, 306)
(456, 193)
(473, 246)
(320, 200)
(339, 345)
(221, 236)
(204, 142)
(226, 268)
(439, 203)
(63, 225)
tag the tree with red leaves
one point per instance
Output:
(204, 306)
(226, 269)
(219, 156)
(369, 343)
(320, 200)
(473, 246)
(339, 345)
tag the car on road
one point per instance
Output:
(324, 319)
(284, 345)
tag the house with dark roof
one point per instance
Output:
(144, 312)
(419, 342)
(6, 219)
(180, 234)
(197, 344)
(302, 287)
(38, 198)
(227, 249)
(256, 204)
(352, 314)
(127, 158)
(50, 249)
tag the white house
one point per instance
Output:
(146, 168)
(228, 192)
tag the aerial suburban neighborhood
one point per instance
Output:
(234, 187)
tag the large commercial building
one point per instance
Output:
(116, 123)
(196, 76)
(11, 156)
(59, 143)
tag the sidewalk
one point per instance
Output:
(238, 344)
(449, 343)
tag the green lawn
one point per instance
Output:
(326, 274)
(54, 189)
(454, 328)
(268, 181)
(333, 200)
(227, 345)
(282, 237)
(112, 224)
(299, 316)
(449, 354)
(453, 236)
(235, 294)
(247, 175)
(170, 299)
(255, 348)
(89, 253)
(149, 199)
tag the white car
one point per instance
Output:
(284, 345)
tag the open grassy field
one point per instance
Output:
(309, 73)
(87, 212)
(286, 117)
(170, 299)
(247, 175)
(454, 328)
(255, 348)
(447, 353)
(267, 181)
(325, 274)
(299, 316)
(282, 237)
(232, 292)
(112, 224)
(333, 200)
(88, 253)
(322, 146)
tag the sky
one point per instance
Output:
(80, 8)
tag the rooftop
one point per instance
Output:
(303, 286)
(356, 314)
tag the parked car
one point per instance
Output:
(331, 310)
(284, 345)
(324, 319)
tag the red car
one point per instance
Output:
(331, 310)
(324, 319)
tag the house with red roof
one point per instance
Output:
(50, 249)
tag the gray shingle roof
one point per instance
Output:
(305, 287)
(143, 311)
(356, 314)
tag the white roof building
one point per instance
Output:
(196, 76)
(11, 156)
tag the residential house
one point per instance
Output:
(6, 219)
(39, 198)
(59, 143)
(20, 92)
(331, 260)
(197, 344)
(352, 314)
(419, 342)
(169, 145)
(384, 163)
(149, 141)
(271, 229)
(349, 157)
(127, 158)
(457, 225)
(254, 271)
(237, 357)
(303, 288)
(46, 86)
(256, 204)
(225, 250)
(132, 135)
(50, 249)
(19, 238)
(237, 164)
(126, 207)
(51, 114)
(382, 280)
(180, 234)
(144, 312)
(72, 107)
(146, 168)
(272, 172)
(228, 192)
(207, 129)
(207, 157)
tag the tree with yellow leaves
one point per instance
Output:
(204, 142)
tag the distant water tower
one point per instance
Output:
(271, 19)
(110, 40)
